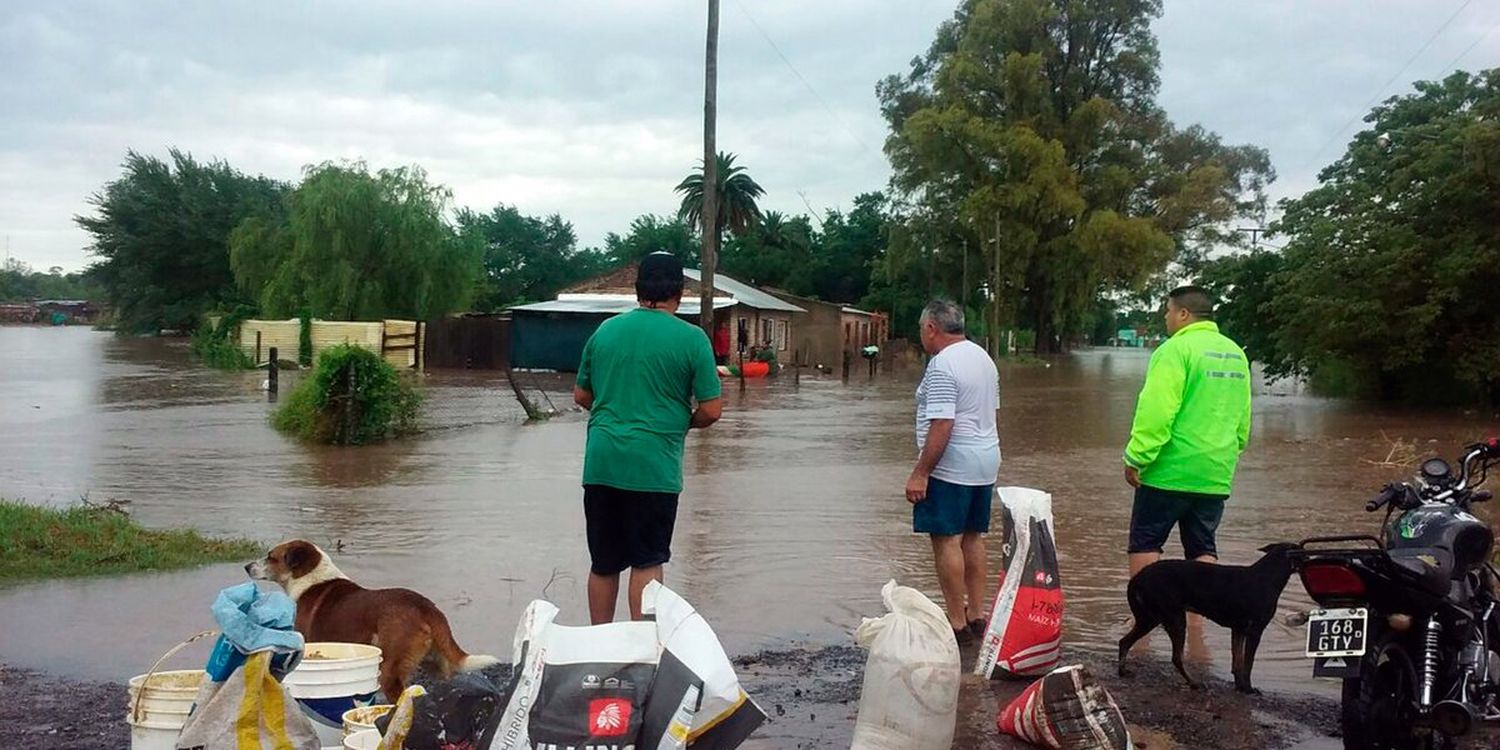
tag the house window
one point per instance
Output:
(780, 338)
(766, 331)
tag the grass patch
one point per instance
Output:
(88, 540)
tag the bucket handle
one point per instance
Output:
(135, 703)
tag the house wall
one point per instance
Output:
(819, 334)
(550, 341)
(864, 329)
(763, 326)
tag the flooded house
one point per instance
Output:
(18, 312)
(550, 335)
(55, 311)
(67, 311)
(829, 329)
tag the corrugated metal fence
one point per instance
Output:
(399, 341)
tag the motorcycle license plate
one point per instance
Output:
(1337, 632)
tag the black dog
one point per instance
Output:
(1241, 598)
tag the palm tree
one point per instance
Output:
(737, 196)
(773, 228)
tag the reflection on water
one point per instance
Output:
(792, 518)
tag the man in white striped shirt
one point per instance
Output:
(954, 481)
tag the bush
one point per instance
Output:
(217, 348)
(352, 397)
(304, 337)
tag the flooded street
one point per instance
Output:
(792, 515)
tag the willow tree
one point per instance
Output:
(1033, 126)
(160, 235)
(359, 246)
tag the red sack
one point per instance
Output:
(1024, 634)
(1066, 709)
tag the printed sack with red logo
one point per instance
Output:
(1024, 635)
(1066, 709)
(660, 684)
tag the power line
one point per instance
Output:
(1359, 114)
(1452, 66)
(800, 77)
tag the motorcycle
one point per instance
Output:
(1410, 621)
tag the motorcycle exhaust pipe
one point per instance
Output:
(1452, 718)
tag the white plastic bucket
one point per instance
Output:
(360, 719)
(332, 679)
(159, 707)
(364, 739)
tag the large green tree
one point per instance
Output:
(775, 251)
(357, 245)
(1029, 142)
(161, 232)
(527, 258)
(1245, 285)
(650, 233)
(849, 242)
(1387, 280)
(830, 261)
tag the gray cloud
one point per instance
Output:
(592, 108)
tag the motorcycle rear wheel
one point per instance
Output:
(1378, 710)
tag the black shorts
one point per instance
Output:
(628, 529)
(1156, 511)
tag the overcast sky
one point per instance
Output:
(592, 108)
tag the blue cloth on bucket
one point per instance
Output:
(251, 620)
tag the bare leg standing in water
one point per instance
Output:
(948, 553)
(976, 575)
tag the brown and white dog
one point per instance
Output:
(408, 627)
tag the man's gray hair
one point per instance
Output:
(947, 316)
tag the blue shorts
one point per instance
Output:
(1195, 515)
(953, 509)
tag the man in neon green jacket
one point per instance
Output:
(1191, 423)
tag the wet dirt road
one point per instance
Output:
(792, 515)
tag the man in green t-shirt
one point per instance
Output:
(640, 375)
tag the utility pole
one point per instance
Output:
(1255, 233)
(710, 256)
(965, 294)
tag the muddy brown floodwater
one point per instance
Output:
(791, 520)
